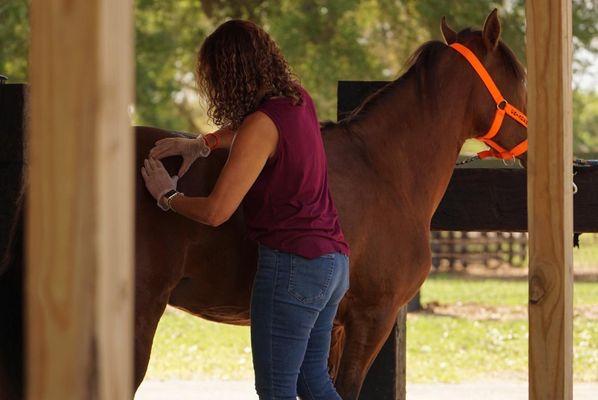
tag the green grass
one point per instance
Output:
(187, 347)
(439, 348)
(586, 255)
(448, 349)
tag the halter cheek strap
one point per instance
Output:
(502, 107)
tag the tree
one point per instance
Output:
(324, 40)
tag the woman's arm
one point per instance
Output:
(254, 143)
(223, 138)
(192, 148)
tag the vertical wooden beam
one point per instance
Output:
(80, 201)
(550, 211)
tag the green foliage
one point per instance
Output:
(585, 122)
(324, 40)
(14, 39)
(167, 35)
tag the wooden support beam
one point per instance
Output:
(550, 206)
(80, 201)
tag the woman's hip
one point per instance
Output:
(312, 282)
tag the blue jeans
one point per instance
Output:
(293, 304)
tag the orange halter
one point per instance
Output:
(502, 107)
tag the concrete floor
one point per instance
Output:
(243, 390)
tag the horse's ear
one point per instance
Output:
(450, 36)
(491, 32)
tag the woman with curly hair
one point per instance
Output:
(277, 170)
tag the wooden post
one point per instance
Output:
(550, 210)
(80, 201)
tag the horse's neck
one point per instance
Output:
(412, 143)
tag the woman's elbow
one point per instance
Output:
(212, 213)
(217, 218)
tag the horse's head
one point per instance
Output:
(506, 72)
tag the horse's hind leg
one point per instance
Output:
(336, 349)
(366, 330)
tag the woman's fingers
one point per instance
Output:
(162, 150)
(148, 166)
(158, 164)
(185, 166)
(158, 167)
(144, 173)
(165, 149)
(153, 164)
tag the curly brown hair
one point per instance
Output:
(238, 66)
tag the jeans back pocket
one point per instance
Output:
(309, 279)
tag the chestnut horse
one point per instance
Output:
(389, 164)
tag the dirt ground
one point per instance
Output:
(505, 272)
(497, 313)
(583, 273)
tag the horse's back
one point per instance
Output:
(219, 262)
(201, 176)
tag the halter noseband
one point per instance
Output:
(502, 107)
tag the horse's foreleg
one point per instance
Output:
(148, 312)
(158, 268)
(366, 330)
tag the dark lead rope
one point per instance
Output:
(468, 160)
(577, 162)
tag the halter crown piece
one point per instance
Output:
(502, 107)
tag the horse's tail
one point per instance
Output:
(15, 244)
(12, 273)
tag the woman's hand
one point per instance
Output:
(255, 141)
(189, 149)
(157, 180)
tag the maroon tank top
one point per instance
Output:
(289, 207)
